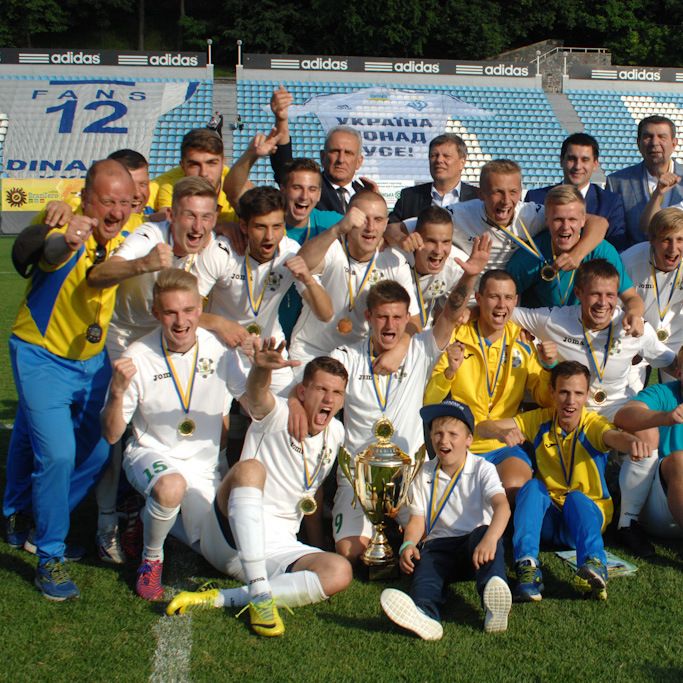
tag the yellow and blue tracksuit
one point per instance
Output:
(61, 380)
(567, 502)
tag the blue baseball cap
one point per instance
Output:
(449, 407)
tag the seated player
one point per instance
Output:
(173, 386)
(660, 406)
(567, 502)
(201, 154)
(251, 532)
(511, 223)
(489, 367)
(349, 260)
(458, 513)
(548, 282)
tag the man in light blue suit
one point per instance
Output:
(656, 143)
(579, 159)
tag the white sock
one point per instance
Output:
(635, 480)
(293, 590)
(107, 490)
(245, 514)
(157, 521)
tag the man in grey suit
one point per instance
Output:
(635, 184)
(447, 157)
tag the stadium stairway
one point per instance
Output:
(225, 102)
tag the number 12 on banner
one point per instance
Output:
(68, 109)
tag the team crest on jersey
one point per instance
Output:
(516, 358)
(615, 348)
(274, 282)
(205, 367)
(375, 277)
(401, 374)
(436, 289)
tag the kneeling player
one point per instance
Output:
(458, 513)
(251, 532)
(174, 385)
(567, 502)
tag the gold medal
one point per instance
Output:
(344, 326)
(186, 427)
(600, 396)
(547, 273)
(662, 334)
(253, 328)
(383, 429)
(307, 505)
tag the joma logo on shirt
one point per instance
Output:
(571, 340)
(164, 375)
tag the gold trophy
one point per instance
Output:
(381, 476)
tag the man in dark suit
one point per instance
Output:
(447, 157)
(340, 159)
(656, 143)
(579, 159)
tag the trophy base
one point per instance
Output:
(387, 572)
(379, 552)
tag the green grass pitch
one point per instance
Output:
(111, 635)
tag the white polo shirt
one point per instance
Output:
(468, 506)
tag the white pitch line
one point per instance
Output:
(172, 655)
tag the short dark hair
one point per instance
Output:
(449, 139)
(387, 292)
(260, 201)
(655, 120)
(433, 214)
(131, 159)
(597, 267)
(495, 274)
(569, 368)
(325, 364)
(301, 164)
(582, 140)
(202, 139)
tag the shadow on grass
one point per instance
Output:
(379, 624)
(662, 673)
(23, 567)
(8, 409)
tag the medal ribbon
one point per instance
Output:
(425, 311)
(674, 287)
(255, 306)
(309, 480)
(563, 295)
(382, 400)
(528, 245)
(560, 452)
(599, 371)
(190, 261)
(436, 507)
(366, 276)
(491, 388)
(185, 396)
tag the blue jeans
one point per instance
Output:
(59, 410)
(578, 524)
(444, 560)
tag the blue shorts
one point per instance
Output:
(499, 455)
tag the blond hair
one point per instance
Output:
(665, 223)
(193, 186)
(500, 166)
(564, 194)
(174, 280)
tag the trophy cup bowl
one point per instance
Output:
(381, 476)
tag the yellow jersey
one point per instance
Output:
(59, 305)
(511, 365)
(570, 462)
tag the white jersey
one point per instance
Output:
(406, 389)
(638, 264)
(133, 317)
(468, 506)
(269, 442)
(153, 406)
(436, 287)
(563, 326)
(223, 272)
(312, 337)
(469, 221)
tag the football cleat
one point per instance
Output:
(189, 601)
(264, 618)
(54, 582)
(497, 603)
(529, 582)
(148, 585)
(401, 609)
(108, 546)
(591, 579)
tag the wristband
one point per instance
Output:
(404, 545)
(547, 367)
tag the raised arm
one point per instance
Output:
(113, 424)
(314, 294)
(505, 430)
(636, 416)
(116, 269)
(665, 183)
(313, 251)
(594, 232)
(627, 443)
(59, 246)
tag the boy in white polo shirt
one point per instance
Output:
(458, 513)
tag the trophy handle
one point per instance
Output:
(344, 458)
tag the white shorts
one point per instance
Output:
(348, 520)
(656, 517)
(146, 467)
(282, 549)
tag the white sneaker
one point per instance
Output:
(109, 547)
(401, 609)
(497, 603)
